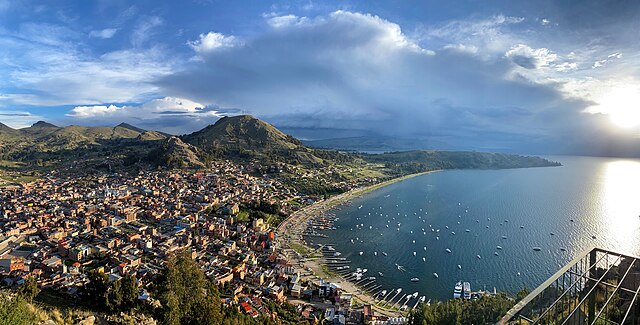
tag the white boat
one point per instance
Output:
(537, 249)
(467, 230)
(364, 271)
(415, 279)
(337, 254)
(383, 293)
(383, 253)
(435, 275)
(459, 267)
(425, 248)
(495, 253)
(478, 256)
(499, 247)
(466, 290)
(424, 259)
(414, 253)
(380, 274)
(447, 250)
(361, 253)
(457, 290)
(375, 253)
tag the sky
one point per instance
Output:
(548, 77)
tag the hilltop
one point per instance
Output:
(245, 137)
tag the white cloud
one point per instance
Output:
(566, 66)
(18, 119)
(487, 34)
(213, 41)
(461, 48)
(144, 30)
(169, 114)
(103, 33)
(598, 64)
(351, 70)
(529, 58)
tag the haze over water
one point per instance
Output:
(598, 194)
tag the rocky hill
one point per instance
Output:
(245, 137)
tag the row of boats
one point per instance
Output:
(462, 290)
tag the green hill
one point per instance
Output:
(244, 138)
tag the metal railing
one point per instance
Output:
(597, 287)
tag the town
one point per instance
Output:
(58, 228)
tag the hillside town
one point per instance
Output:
(58, 228)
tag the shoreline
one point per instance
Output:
(290, 237)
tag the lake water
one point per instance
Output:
(600, 195)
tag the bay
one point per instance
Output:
(587, 202)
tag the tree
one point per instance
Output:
(97, 287)
(29, 289)
(129, 294)
(114, 296)
(187, 296)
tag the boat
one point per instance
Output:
(414, 253)
(415, 279)
(457, 290)
(424, 259)
(521, 227)
(361, 253)
(495, 253)
(425, 248)
(383, 293)
(453, 232)
(552, 234)
(459, 267)
(466, 290)
(537, 249)
(435, 275)
(504, 237)
(364, 271)
(380, 274)
(383, 253)
(447, 250)
(467, 230)
(337, 254)
(498, 247)
(478, 256)
(562, 249)
(375, 253)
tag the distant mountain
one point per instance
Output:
(378, 144)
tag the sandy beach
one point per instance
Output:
(290, 237)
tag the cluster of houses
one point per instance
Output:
(58, 228)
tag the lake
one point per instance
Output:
(552, 208)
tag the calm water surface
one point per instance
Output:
(600, 195)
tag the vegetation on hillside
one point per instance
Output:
(486, 310)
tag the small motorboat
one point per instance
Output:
(415, 279)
